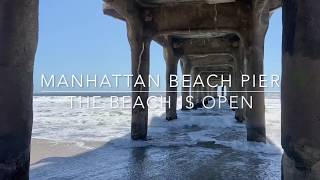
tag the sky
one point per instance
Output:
(76, 38)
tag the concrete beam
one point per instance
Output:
(223, 18)
(254, 46)
(211, 60)
(154, 3)
(171, 69)
(18, 43)
(226, 44)
(140, 59)
(186, 71)
(300, 116)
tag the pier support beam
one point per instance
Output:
(255, 53)
(223, 90)
(18, 42)
(215, 92)
(226, 91)
(186, 71)
(140, 59)
(232, 90)
(199, 96)
(171, 69)
(194, 88)
(256, 115)
(300, 76)
(139, 37)
(204, 94)
(240, 112)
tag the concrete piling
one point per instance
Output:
(18, 43)
(300, 90)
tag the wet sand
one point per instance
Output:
(41, 149)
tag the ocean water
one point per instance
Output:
(203, 143)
